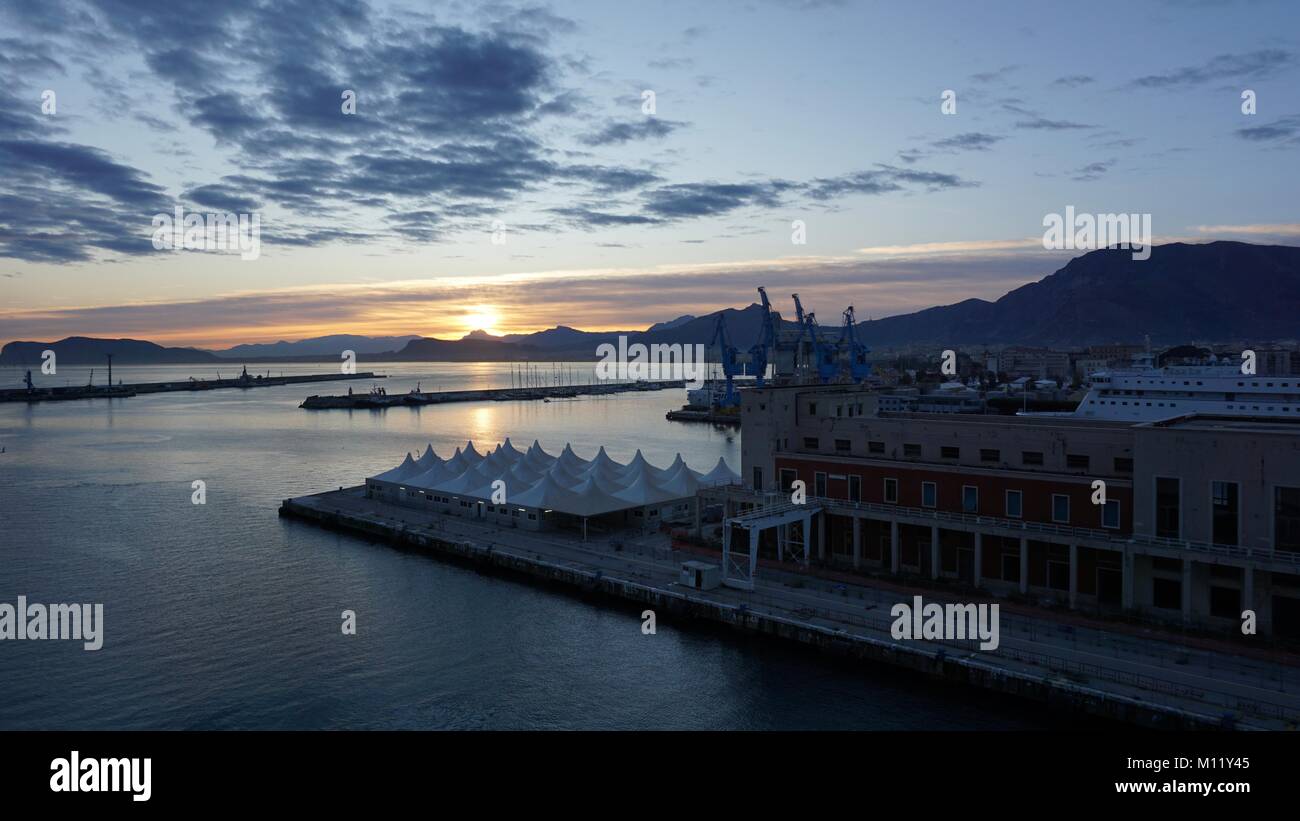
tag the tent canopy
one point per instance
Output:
(566, 483)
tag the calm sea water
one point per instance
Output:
(225, 616)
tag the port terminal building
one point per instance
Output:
(1192, 519)
(534, 490)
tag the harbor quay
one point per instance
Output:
(1114, 672)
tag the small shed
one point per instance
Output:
(700, 575)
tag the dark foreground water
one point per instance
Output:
(224, 616)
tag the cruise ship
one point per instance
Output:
(1144, 393)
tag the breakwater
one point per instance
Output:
(55, 394)
(377, 401)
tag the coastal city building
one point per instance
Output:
(1192, 519)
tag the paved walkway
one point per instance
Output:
(1257, 692)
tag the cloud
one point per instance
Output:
(1073, 80)
(617, 133)
(986, 77)
(1092, 171)
(711, 199)
(970, 141)
(1044, 124)
(883, 179)
(1283, 132)
(1253, 65)
(1259, 231)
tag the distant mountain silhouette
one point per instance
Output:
(1215, 292)
(332, 345)
(1219, 291)
(469, 349)
(672, 323)
(82, 350)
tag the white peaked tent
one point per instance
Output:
(540, 487)
(431, 477)
(508, 450)
(720, 475)
(470, 453)
(397, 474)
(548, 494)
(428, 459)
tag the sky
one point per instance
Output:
(502, 167)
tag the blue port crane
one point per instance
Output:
(825, 357)
(730, 367)
(859, 368)
(758, 354)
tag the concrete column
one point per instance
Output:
(726, 548)
(807, 547)
(1187, 590)
(1129, 582)
(1024, 564)
(821, 533)
(893, 548)
(1074, 574)
(979, 557)
(1248, 588)
(934, 551)
(753, 552)
(699, 520)
(821, 545)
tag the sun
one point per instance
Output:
(481, 317)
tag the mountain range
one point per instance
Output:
(1215, 292)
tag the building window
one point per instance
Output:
(1286, 518)
(891, 491)
(1060, 508)
(1015, 504)
(949, 452)
(990, 455)
(929, 494)
(970, 499)
(855, 488)
(819, 484)
(1167, 594)
(1167, 508)
(758, 478)
(1110, 514)
(842, 445)
(812, 408)
(810, 442)
(875, 447)
(912, 451)
(1031, 457)
(1223, 500)
(1124, 464)
(788, 475)
(1076, 460)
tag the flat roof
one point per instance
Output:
(1045, 420)
(1239, 424)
